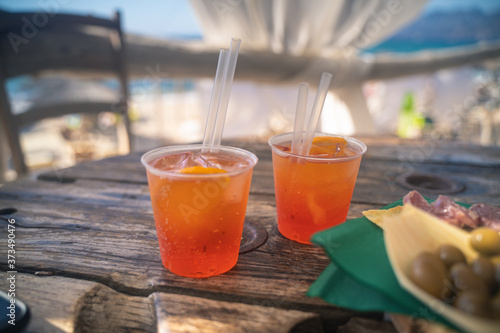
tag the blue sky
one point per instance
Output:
(171, 18)
(157, 18)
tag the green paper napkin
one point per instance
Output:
(349, 293)
(360, 276)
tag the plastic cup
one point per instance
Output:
(199, 217)
(313, 193)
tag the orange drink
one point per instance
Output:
(199, 204)
(314, 192)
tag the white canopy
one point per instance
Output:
(315, 28)
(329, 34)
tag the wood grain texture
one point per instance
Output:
(88, 233)
(102, 233)
(85, 230)
(358, 325)
(59, 304)
(52, 300)
(179, 313)
(384, 160)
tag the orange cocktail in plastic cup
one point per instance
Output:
(199, 205)
(314, 192)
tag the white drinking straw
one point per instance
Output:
(300, 113)
(319, 101)
(215, 100)
(224, 97)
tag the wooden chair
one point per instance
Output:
(82, 46)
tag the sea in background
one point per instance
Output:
(438, 30)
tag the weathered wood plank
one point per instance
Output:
(94, 204)
(78, 238)
(375, 184)
(402, 153)
(60, 304)
(101, 309)
(98, 226)
(385, 159)
(429, 150)
(367, 326)
(89, 251)
(84, 230)
(180, 313)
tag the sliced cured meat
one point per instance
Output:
(446, 209)
(488, 216)
(416, 199)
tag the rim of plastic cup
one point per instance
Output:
(167, 150)
(287, 137)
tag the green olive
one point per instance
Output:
(474, 302)
(464, 278)
(429, 273)
(485, 270)
(450, 255)
(486, 241)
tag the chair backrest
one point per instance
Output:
(40, 42)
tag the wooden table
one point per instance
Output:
(87, 257)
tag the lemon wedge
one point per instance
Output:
(201, 170)
(328, 141)
(326, 145)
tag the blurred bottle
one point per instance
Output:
(410, 122)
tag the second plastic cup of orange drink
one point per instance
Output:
(199, 203)
(314, 192)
